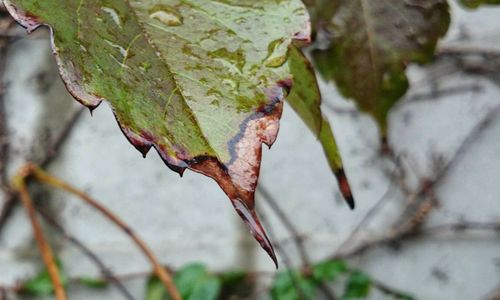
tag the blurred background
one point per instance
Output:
(426, 226)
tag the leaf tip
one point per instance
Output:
(252, 220)
(345, 188)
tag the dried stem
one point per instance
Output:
(19, 185)
(160, 271)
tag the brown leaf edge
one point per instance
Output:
(260, 128)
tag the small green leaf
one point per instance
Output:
(94, 283)
(155, 289)
(193, 281)
(286, 286)
(232, 278)
(187, 278)
(41, 285)
(328, 271)
(236, 283)
(358, 286)
(208, 289)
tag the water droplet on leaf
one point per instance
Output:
(113, 14)
(277, 54)
(166, 14)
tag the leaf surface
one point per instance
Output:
(371, 44)
(202, 81)
(193, 281)
(292, 286)
(305, 99)
(358, 286)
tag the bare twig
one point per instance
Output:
(367, 218)
(49, 154)
(467, 50)
(463, 226)
(4, 151)
(400, 236)
(48, 257)
(287, 260)
(105, 271)
(297, 238)
(58, 142)
(160, 271)
(388, 290)
(424, 200)
(433, 95)
(295, 235)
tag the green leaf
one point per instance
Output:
(372, 42)
(358, 286)
(233, 277)
(202, 81)
(193, 281)
(328, 271)
(305, 99)
(189, 277)
(236, 283)
(477, 3)
(208, 289)
(94, 283)
(286, 286)
(41, 284)
(155, 289)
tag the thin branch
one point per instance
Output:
(287, 260)
(424, 200)
(433, 95)
(467, 50)
(160, 271)
(48, 257)
(366, 219)
(56, 145)
(463, 226)
(403, 235)
(105, 271)
(297, 238)
(4, 150)
(49, 154)
(388, 290)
